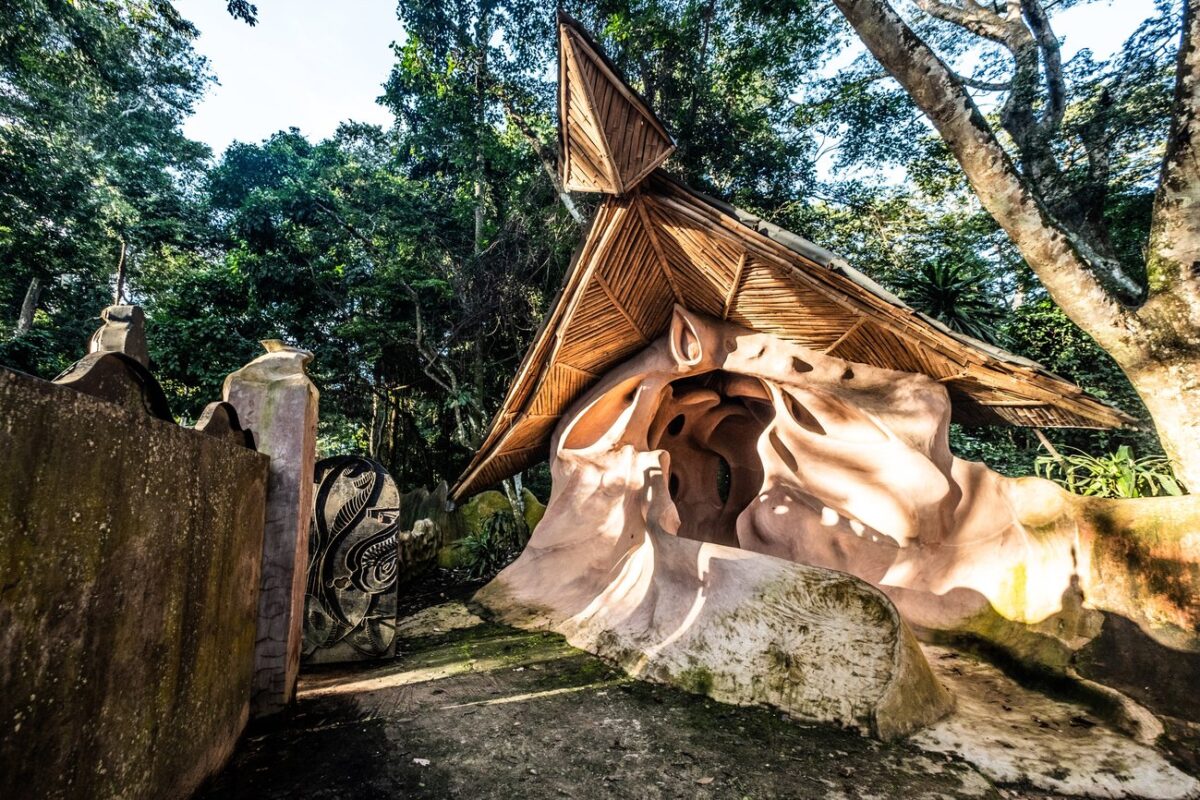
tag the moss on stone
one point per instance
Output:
(534, 510)
(475, 513)
(696, 679)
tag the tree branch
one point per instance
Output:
(547, 158)
(1056, 85)
(971, 16)
(1067, 266)
(983, 86)
(1174, 261)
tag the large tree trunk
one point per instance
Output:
(28, 308)
(1169, 380)
(1158, 344)
(1171, 392)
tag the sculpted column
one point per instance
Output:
(277, 402)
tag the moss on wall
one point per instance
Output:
(130, 551)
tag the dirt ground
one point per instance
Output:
(471, 709)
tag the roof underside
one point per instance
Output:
(664, 244)
(654, 243)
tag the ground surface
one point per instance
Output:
(476, 710)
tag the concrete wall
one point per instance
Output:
(129, 571)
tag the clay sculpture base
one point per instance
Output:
(706, 491)
(740, 628)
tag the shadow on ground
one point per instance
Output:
(475, 710)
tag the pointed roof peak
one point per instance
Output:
(611, 138)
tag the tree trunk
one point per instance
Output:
(119, 291)
(1171, 392)
(1157, 345)
(514, 491)
(29, 307)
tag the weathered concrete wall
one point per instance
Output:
(129, 568)
(278, 403)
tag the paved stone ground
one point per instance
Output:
(484, 711)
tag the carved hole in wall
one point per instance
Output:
(710, 426)
(598, 419)
(804, 418)
(724, 479)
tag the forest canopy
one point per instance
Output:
(416, 260)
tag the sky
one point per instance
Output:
(312, 64)
(308, 64)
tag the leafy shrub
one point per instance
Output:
(490, 549)
(1116, 474)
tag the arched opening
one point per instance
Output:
(710, 425)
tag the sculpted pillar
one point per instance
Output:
(277, 402)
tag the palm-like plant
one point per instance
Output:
(955, 293)
(1116, 474)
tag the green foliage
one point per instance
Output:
(416, 260)
(1116, 474)
(720, 75)
(244, 10)
(489, 550)
(1009, 451)
(93, 161)
(955, 293)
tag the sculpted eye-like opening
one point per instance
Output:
(804, 418)
(724, 479)
(715, 469)
(600, 417)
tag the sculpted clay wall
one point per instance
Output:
(129, 571)
(720, 464)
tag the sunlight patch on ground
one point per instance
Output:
(521, 698)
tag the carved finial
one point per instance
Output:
(124, 331)
(280, 346)
(220, 419)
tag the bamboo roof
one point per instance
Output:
(659, 243)
(609, 136)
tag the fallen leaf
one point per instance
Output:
(705, 781)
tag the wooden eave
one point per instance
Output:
(665, 243)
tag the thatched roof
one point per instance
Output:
(610, 138)
(660, 243)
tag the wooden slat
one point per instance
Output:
(662, 248)
(611, 139)
(734, 285)
(849, 331)
(652, 235)
(772, 301)
(590, 147)
(620, 308)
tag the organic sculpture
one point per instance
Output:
(350, 602)
(752, 445)
(116, 367)
(277, 402)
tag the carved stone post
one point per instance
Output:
(275, 400)
(124, 331)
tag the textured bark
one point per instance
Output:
(29, 307)
(1061, 261)
(1174, 263)
(1158, 344)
